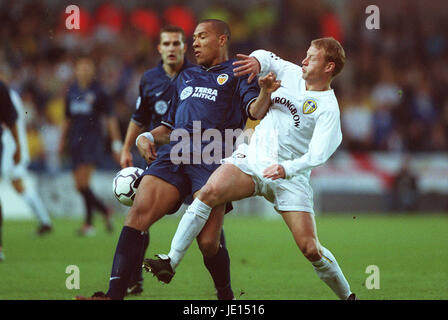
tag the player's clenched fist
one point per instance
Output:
(147, 149)
(274, 172)
(269, 82)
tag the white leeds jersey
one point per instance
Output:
(301, 129)
(9, 145)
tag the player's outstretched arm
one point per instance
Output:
(268, 84)
(134, 130)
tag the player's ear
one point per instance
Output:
(158, 48)
(330, 67)
(222, 39)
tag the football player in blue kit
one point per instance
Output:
(155, 91)
(212, 96)
(8, 117)
(85, 104)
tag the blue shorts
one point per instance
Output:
(85, 151)
(187, 178)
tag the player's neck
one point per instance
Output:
(172, 70)
(318, 85)
(220, 59)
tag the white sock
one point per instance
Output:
(328, 270)
(188, 229)
(34, 201)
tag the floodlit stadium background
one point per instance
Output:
(392, 92)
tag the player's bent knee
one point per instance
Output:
(310, 250)
(210, 194)
(140, 218)
(208, 247)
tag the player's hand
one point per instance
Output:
(147, 149)
(269, 82)
(274, 172)
(126, 159)
(246, 65)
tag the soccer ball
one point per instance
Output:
(123, 185)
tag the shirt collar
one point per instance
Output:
(218, 67)
(187, 64)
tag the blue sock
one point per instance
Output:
(126, 260)
(89, 206)
(137, 275)
(219, 268)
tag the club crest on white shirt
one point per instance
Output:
(222, 78)
(309, 106)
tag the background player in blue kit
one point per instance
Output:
(155, 91)
(86, 103)
(8, 117)
(164, 184)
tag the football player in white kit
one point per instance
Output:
(16, 173)
(299, 130)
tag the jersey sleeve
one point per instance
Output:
(248, 93)
(269, 62)
(8, 115)
(142, 114)
(169, 119)
(327, 136)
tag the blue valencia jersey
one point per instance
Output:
(155, 92)
(213, 96)
(84, 109)
(8, 113)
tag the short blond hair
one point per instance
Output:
(333, 52)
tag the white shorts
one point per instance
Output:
(293, 194)
(9, 169)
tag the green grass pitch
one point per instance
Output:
(411, 253)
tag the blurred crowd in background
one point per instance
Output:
(392, 92)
